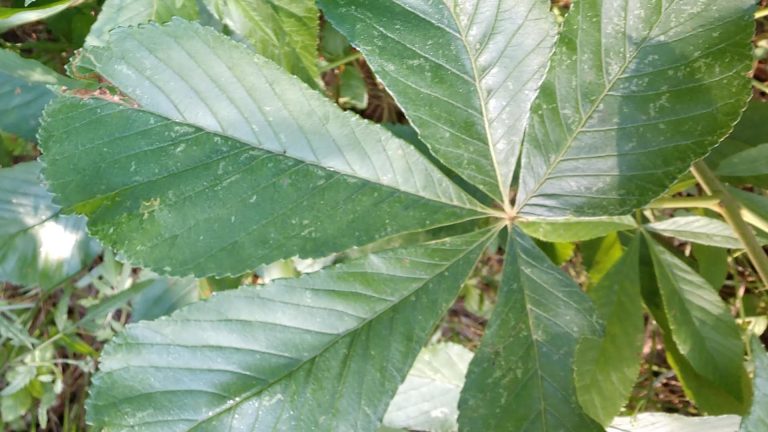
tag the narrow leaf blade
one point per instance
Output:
(522, 376)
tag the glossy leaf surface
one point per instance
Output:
(633, 95)
(220, 182)
(521, 378)
(323, 352)
(464, 72)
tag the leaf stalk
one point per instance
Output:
(731, 211)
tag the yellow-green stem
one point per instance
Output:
(731, 211)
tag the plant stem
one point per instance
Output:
(348, 59)
(761, 13)
(760, 86)
(731, 211)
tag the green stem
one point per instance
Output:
(348, 59)
(731, 211)
(760, 86)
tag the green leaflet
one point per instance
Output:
(699, 322)
(573, 229)
(284, 31)
(12, 17)
(464, 72)
(757, 419)
(750, 162)
(323, 352)
(428, 399)
(607, 368)
(521, 379)
(622, 73)
(712, 264)
(24, 93)
(242, 165)
(700, 229)
(121, 13)
(38, 247)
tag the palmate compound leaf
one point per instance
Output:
(229, 162)
(323, 352)
(38, 247)
(522, 377)
(635, 92)
(465, 73)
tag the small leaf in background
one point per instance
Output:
(521, 378)
(699, 322)
(712, 264)
(284, 31)
(607, 367)
(13, 17)
(749, 162)
(600, 255)
(163, 296)
(24, 93)
(353, 90)
(38, 247)
(700, 229)
(428, 399)
(122, 13)
(575, 229)
(757, 418)
(15, 405)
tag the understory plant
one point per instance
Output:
(205, 149)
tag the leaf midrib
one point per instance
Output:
(476, 80)
(250, 394)
(482, 210)
(598, 101)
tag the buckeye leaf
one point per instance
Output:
(632, 96)
(700, 229)
(575, 229)
(757, 419)
(230, 162)
(699, 322)
(522, 377)
(38, 246)
(464, 72)
(24, 93)
(120, 13)
(323, 352)
(284, 31)
(607, 367)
